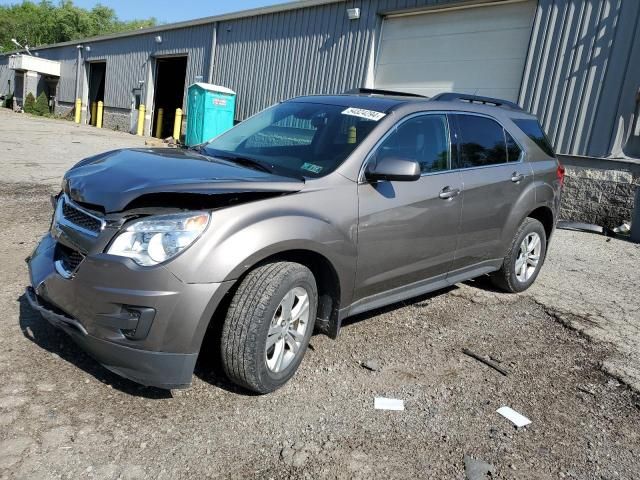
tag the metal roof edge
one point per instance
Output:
(253, 12)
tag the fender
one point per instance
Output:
(239, 237)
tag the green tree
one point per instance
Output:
(42, 105)
(29, 103)
(44, 23)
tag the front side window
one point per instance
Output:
(424, 139)
(481, 142)
(297, 139)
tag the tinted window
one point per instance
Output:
(534, 131)
(424, 139)
(296, 139)
(513, 150)
(481, 142)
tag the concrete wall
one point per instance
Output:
(117, 119)
(601, 197)
(64, 109)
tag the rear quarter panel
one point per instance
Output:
(544, 190)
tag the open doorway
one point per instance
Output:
(168, 93)
(97, 73)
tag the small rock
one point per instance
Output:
(372, 365)
(11, 402)
(287, 454)
(477, 469)
(299, 459)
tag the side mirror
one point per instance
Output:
(393, 169)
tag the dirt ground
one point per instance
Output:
(64, 416)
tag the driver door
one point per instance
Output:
(408, 231)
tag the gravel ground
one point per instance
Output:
(40, 150)
(64, 416)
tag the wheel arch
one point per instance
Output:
(327, 282)
(327, 278)
(545, 216)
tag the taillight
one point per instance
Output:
(560, 173)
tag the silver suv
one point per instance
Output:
(313, 210)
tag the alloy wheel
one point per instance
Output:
(287, 330)
(528, 257)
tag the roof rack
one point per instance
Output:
(375, 91)
(463, 97)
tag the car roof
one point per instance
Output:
(386, 101)
(378, 103)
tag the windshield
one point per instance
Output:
(296, 139)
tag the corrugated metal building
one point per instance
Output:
(574, 63)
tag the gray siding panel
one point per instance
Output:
(127, 59)
(581, 74)
(6, 77)
(317, 50)
(67, 83)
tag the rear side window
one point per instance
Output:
(481, 142)
(534, 131)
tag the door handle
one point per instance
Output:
(448, 192)
(517, 177)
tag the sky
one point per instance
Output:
(169, 11)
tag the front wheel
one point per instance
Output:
(268, 325)
(524, 259)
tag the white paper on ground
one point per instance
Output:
(382, 403)
(510, 414)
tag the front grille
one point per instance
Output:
(80, 218)
(68, 257)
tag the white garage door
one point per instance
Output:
(478, 50)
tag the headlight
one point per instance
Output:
(156, 239)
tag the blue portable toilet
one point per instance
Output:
(211, 110)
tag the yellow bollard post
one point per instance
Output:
(140, 126)
(99, 116)
(94, 107)
(159, 121)
(177, 125)
(78, 109)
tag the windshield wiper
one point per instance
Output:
(245, 161)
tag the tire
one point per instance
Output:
(507, 278)
(257, 313)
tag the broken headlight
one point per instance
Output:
(156, 239)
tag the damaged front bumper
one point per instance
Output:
(142, 323)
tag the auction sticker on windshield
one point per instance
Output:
(363, 113)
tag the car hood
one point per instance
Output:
(113, 180)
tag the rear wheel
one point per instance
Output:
(524, 259)
(268, 325)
